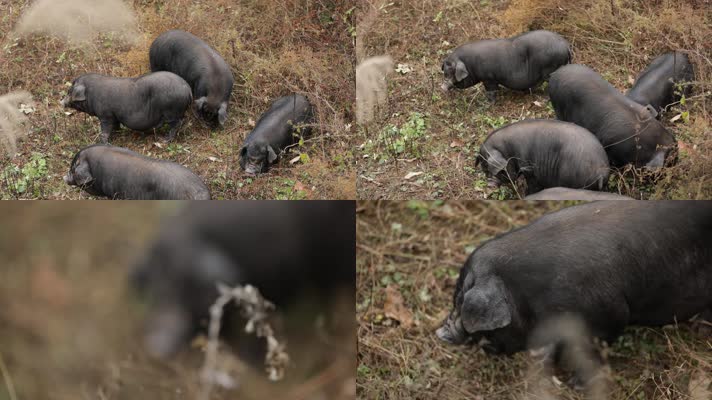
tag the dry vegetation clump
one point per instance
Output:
(617, 38)
(274, 48)
(409, 255)
(11, 119)
(79, 21)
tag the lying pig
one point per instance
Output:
(119, 173)
(656, 85)
(208, 75)
(547, 153)
(627, 130)
(141, 104)
(275, 130)
(520, 62)
(562, 193)
(290, 251)
(610, 263)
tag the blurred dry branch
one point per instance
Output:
(256, 310)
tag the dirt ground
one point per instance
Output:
(409, 255)
(70, 328)
(423, 145)
(274, 48)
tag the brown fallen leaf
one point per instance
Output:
(684, 146)
(300, 187)
(395, 309)
(456, 143)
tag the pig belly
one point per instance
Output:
(141, 122)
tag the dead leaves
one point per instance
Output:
(395, 309)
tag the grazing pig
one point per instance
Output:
(656, 85)
(547, 153)
(274, 131)
(520, 62)
(291, 251)
(561, 193)
(208, 75)
(627, 130)
(140, 104)
(610, 263)
(119, 173)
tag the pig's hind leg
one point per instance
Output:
(173, 126)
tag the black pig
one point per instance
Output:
(208, 75)
(520, 62)
(288, 250)
(140, 103)
(562, 193)
(610, 263)
(274, 131)
(655, 86)
(627, 130)
(119, 173)
(547, 153)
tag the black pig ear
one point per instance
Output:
(485, 307)
(82, 173)
(495, 162)
(271, 155)
(460, 71)
(222, 114)
(79, 93)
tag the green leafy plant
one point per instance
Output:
(19, 180)
(286, 191)
(401, 140)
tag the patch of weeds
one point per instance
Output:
(301, 149)
(286, 191)
(177, 148)
(503, 192)
(22, 180)
(363, 370)
(348, 18)
(392, 276)
(401, 140)
(494, 123)
(419, 207)
(244, 182)
(443, 272)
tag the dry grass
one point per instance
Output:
(274, 48)
(414, 250)
(617, 38)
(71, 329)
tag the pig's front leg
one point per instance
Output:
(491, 90)
(108, 126)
